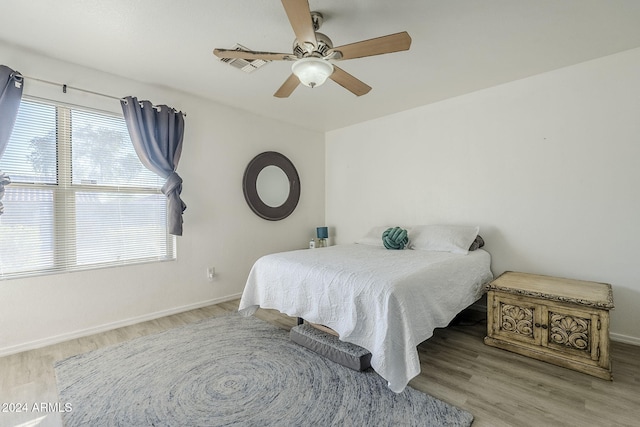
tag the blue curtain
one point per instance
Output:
(156, 133)
(10, 96)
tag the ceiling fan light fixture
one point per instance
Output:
(312, 71)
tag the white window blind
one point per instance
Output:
(79, 197)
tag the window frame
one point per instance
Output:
(64, 192)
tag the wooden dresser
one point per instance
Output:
(560, 321)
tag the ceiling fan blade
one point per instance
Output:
(249, 54)
(287, 87)
(377, 46)
(299, 16)
(349, 82)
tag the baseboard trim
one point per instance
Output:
(624, 338)
(33, 345)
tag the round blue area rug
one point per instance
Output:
(233, 371)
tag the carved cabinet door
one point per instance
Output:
(514, 318)
(573, 331)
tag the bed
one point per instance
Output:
(387, 301)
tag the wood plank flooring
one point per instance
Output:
(498, 387)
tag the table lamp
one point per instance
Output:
(322, 233)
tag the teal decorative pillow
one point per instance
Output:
(395, 238)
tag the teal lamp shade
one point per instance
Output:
(322, 232)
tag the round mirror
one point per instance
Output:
(271, 186)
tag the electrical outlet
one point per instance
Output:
(211, 273)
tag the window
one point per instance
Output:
(79, 197)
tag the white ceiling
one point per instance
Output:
(459, 46)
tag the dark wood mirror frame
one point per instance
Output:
(249, 186)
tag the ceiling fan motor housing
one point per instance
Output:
(324, 45)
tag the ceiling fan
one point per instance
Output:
(312, 52)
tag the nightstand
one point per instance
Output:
(560, 321)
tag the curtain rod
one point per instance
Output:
(65, 87)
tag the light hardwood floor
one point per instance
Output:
(498, 387)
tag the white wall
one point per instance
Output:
(219, 228)
(548, 167)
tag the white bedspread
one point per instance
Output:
(386, 301)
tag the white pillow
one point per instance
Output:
(443, 238)
(373, 237)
